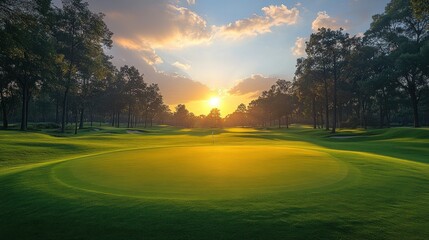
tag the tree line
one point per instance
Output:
(379, 79)
(53, 63)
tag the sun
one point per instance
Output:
(214, 102)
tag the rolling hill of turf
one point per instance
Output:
(238, 183)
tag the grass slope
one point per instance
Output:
(168, 183)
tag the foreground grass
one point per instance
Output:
(171, 183)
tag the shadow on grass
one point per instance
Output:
(405, 143)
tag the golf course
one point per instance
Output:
(232, 183)
(223, 120)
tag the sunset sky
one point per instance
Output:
(197, 49)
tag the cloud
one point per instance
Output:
(255, 25)
(147, 53)
(160, 24)
(174, 88)
(191, 2)
(182, 66)
(150, 26)
(146, 26)
(299, 49)
(326, 21)
(178, 89)
(254, 84)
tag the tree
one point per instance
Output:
(56, 56)
(181, 116)
(364, 67)
(420, 7)
(9, 92)
(163, 114)
(92, 69)
(329, 50)
(317, 65)
(94, 85)
(283, 100)
(213, 119)
(26, 47)
(405, 36)
(238, 117)
(309, 89)
(79, 32)
(151, 102)
(134, 86)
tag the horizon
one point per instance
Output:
(197, 50)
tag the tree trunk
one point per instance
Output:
(75, 120)
(67, 117)
(326, 105)
(340, 115)
(63, 117)
(358, 109)
(24, 106)
(57, 113)
(117, 120)
(314, 113)
(415, 111)
(91, 116)
(129, 115)
(365, 115)
(4, 111)
(381, 115)
(387, 114)
(81, 117)
(414, 103)
(334, 114)
(361, 112)
(24, 110)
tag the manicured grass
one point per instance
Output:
(202, 172)
(167, 183)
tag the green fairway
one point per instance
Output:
(168, 183)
